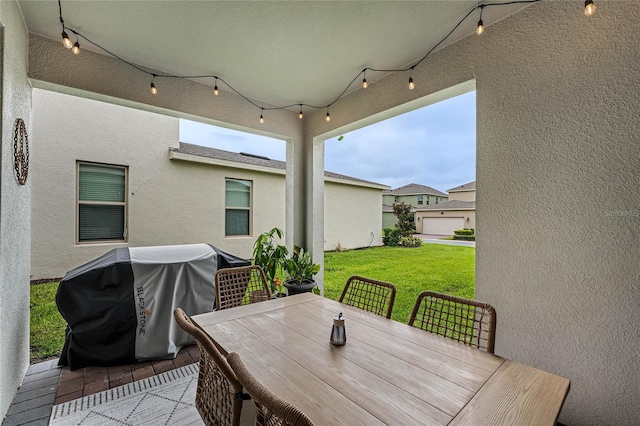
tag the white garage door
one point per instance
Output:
(441, 225)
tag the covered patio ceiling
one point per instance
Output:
(277, 52)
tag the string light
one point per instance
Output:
(364, 79)
(154, 91)
(75, 48)
(589, 8)
(480, 28)
(66, 41)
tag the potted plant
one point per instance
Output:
(300, 271)
(269, 255)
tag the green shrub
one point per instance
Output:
(390, 236)
(464, 232)
(465, 237)
(406, 224)
(410, 241)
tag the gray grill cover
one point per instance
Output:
(119, 307)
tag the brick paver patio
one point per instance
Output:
(90, 380)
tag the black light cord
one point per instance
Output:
(274, 108)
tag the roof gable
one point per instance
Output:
(416, 189)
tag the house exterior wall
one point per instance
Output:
(557, 128)
(169, 201)
(350, 219)
(471, 223)
(413, 200)
(462, 196)
(388, 199)
(561, 269)
(15, 207)
(389, 220)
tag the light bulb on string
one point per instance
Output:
(412, 85)
(154, 91)
(66, 41)
(480, 27)
(261, 118)
(364, 83)
(76, 48)
(301, 115)
(215, 88)
(589, 8)
(328, 118)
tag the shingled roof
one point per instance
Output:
(471, 186)
(415, 189)
(255, 160)
(450, 205)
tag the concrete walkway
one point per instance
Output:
(437, 239)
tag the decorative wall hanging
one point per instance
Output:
(21, 151)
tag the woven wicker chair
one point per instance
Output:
(219, 395)
(466, 321)
(368, 294)
(241, 286)
(271, 410)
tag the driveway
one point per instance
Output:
(437, 239)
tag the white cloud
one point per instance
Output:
(231, 140)
(434, 146)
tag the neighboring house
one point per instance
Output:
(457, 213)
(414, 194)
(112, 177)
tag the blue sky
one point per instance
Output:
(434, 146)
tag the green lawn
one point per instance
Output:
(437, 267)
(47, 326)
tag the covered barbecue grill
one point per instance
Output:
(119, 307)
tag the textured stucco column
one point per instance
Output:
(15, 209)
(558, 207)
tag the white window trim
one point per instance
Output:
(125, 238)
(250, 208)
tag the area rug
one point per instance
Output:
(164, 399)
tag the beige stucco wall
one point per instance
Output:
(170, 201)
(470, 214)
(462, 195)
(351, 216)
(557, 128)
(15, 208)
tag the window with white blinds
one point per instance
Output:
(102, 203)
(237, 219)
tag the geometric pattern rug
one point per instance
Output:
(164, 399)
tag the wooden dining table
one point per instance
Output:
(386, 373)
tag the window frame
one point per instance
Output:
(125, 203)
(249, 209)
(420, 200)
